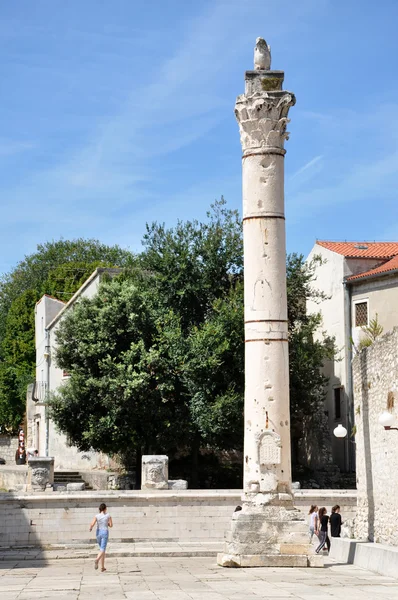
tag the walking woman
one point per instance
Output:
(103, 521)
(323, 530)
(313, 527)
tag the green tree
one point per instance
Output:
(34, 270)
(194, 263)
(18, 366)
(123, 392)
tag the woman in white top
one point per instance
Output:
(313, 521)
(103, 521)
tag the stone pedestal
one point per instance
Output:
(155, 472)
(269, 531)
(40, 473)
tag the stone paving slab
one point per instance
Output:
(198, 578)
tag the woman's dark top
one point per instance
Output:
(324, 523)
(335, 524)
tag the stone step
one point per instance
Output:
(62, 478)
(59, 479)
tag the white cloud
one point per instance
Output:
(376, 179)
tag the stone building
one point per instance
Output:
(375, 377)
(42, 433)
(361, 282)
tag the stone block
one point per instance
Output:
(316, 561)
(296, 549)
(343, 549)
(155, 472)
(59, 487)
(262, 560)
(379, 558)
(40, 473)
(75, 487)
(177, 484)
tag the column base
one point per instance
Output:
(268, 532)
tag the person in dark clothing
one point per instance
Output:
(323, 530)
(335, 521)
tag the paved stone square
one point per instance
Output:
(186, 579)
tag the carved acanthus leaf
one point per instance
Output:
(262, 119)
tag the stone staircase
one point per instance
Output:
(62, 478)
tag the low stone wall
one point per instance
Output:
(379, 558)
(52, 518)
(15, 477)
(375, 375)
(8, 448)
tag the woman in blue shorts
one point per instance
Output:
(103, 521)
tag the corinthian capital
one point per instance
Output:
(262, 119)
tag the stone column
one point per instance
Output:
(268, 531)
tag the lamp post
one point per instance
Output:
(387, 419)
(340, 431)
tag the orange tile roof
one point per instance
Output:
(390, 265)
(362, 249)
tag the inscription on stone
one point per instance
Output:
(270, 450)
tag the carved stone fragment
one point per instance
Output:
(155, 472)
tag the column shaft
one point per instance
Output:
(266, 338)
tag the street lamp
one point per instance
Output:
(340, 431)
(387, 419)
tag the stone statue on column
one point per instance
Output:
(269, 530)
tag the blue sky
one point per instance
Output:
(118, 113)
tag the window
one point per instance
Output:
(65, 374)
(337, 402)
(361, 314)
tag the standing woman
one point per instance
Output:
(313, 513)
(103, 521)
(323, 530)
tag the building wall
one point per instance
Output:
(8, 448)
(375, 374)
(329, 279)
(355, 266)
(381, 294)
(45, 311)
(189, 515)
(50, 377)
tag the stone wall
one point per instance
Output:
(8, 448)
(375, 374)
(191, 515)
